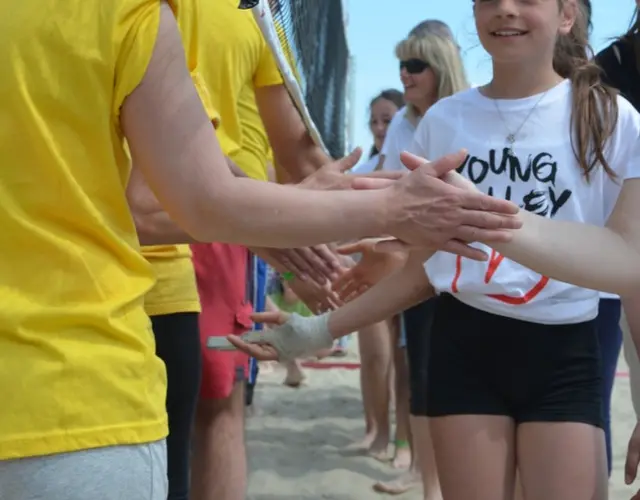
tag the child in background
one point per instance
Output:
(282, 297)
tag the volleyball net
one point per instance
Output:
(309, 41)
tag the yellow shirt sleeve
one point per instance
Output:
(139, 32)
(267, 72)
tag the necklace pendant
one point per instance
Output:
(511, 138)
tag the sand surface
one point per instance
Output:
(297, 439)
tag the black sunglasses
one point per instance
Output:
(414, 66)
(248, 4)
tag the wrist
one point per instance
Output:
(387, 213)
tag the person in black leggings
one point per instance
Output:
(178, 345)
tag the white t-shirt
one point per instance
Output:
(366, 167)
(542, 176)
(398, 139)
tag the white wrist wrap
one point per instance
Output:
(300, 336)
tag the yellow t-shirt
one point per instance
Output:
(234, 54)
(176, 290)
(78, 367)
(253, 155)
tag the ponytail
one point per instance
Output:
(594, 109)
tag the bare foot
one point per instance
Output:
(295, 376)
(408, 481)
(338, 352)
(324, 353)
(363, 445)
(402, 456)
(379, 448)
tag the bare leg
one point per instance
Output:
(424, 458)
(519, 490)
(412, 478)
(375, 355)
(562, 461)
(219, 468)
(402, 454)
(475, 456)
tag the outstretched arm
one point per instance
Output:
(294, 336)
(599, 258)
(397, 292)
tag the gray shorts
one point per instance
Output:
(136, 472)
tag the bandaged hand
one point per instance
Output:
(287, 337)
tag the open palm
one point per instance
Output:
(372, 267)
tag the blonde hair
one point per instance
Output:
(443, 55)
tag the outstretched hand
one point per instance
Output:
(290, 336)
(318, 263)
(259, 346)
(372, 267)
(335, 176)
(318, 298)
(444, 214)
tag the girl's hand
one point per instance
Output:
(317, 298)
(289, 338)
(373, 267)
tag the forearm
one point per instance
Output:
(153, 225)
(243, 212)
(396, 293)
(588, 256)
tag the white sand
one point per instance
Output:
(296, 441)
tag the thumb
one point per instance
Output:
(349, 161)
(411, 161)
(270, 318)
(349, 248)
(437, 168)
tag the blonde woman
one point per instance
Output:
(430, 69)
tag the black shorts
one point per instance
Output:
(417, 326)
(485, 364)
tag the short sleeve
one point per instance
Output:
(267, 72)
(391, 152)
(136, 31)
(399, 138)
(420, 142)
(205, 97)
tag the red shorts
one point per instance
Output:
(221, 274)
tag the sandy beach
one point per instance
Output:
(298, 437)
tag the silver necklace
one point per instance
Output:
(511, 136)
